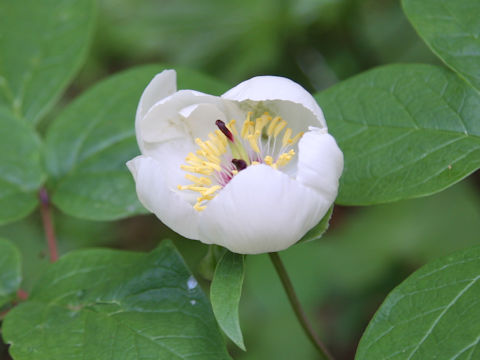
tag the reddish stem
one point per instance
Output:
(48, 224)
(22, 295)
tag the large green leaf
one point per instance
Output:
(434, 314)
(90, 142)
(405, 130)
(10, 273)
(225, 294)
(42, 45)
(21, 172)
(107, 304)
(452, 30)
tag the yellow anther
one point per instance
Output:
(255, 163)
(296, 138)
(203, 198)
(211, 165)
(211, 190)
(268, 160)
(233, 129)
(279, 127)
(217, 142)
(261, 122)
(234, 172)
(192, 158)
(285, 158)
(198, 207)
(198, 180)
(252, 139)
(286, 137)
(197, 169)
(202, 146)
(213, 149)
(192, 187)
(221, 137)
(273, 124)
(247, 125)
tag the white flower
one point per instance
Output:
(252, 170)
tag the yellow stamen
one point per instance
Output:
(217, 142)
(192, 187)
(268, 160)
(212, 165)
(233, 129)
(279, 127)
(198, 180)
(272, 125)
(286, 137)
(212, 147)
(247, 124)
(203, 198)
(285, 158)
(297, 137)
(261, 122)
(255, 163)
(197, 169)
(221, 137)
(198, 207)
(211, 190)
(252, 139)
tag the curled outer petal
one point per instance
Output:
(274, 88)
(261, 210)
(320, 163)
(157, 196)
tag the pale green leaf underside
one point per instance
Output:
(42, 45)
(318, 230)
(107, 304)
(88, 145)
(405, 130)
(21, 172)
(451, 28)
(434, 314)
(10, 272)
(225, 294)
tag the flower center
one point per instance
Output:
(226, 152)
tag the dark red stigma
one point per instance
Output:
(223, 128)
(239, 164)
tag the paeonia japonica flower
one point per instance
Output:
(252, 170)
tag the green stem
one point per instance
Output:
(297, 307)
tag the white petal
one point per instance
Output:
(265, 88)
(261, 210)
(159, 197)
(320, 163)
(161, 86)
(166, 120)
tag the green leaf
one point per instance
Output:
(318, 230)
(225, 294)
(434, 314)
(10, 272)
(21, 172)
(452, 31)
(88, 145)
(109, 304)
(42, 46)
(405, 131)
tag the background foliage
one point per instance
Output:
(77, 146)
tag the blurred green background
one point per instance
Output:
(341, 279)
